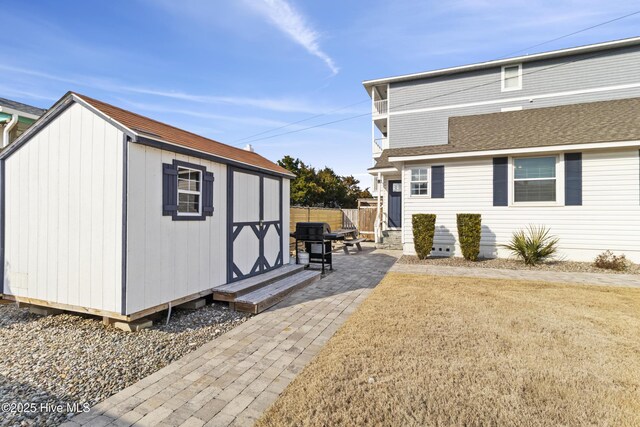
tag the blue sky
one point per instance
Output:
(231, 69)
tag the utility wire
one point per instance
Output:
(300, 121)
(252, 138)
(571, 34)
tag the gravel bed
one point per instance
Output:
(75, 359)
(512, 264)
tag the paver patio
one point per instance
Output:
(602, 279)
(234, 378)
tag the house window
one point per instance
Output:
(189, 191)
(511, 77)
(534, 179)
(419, 182)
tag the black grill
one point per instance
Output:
(312, 231)
(317, 238)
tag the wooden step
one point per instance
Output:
(261, 299)
(231, 291)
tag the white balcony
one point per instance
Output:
(380, 107)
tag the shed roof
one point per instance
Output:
(602, 121)
(157, 130)
(19, 106)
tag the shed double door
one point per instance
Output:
(255, 224)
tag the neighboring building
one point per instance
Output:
(15, 118)
(549, 139)
(112, 213)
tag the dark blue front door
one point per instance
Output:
(395, 203)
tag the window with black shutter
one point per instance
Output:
(500, 181)
(187, 191)
(573, 179)
(207, 194)
(437, 182)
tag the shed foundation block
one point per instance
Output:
(43, 311)
(133, 326)
(193, 305)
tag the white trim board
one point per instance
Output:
(13, 111)
(94, 110)
(381, 170)
(205, 153)
(528, 98)
(509, 151)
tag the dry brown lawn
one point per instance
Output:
(425, 350)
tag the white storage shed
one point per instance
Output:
(111, 213)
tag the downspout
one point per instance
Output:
(377, 232)
(377, 229)
(7, 129)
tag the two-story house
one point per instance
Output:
(547, 139)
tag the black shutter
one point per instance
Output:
(207, 194)
(500, 181)
(573, 179)
(437, 182)
(169, 189)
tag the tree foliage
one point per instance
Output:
(322, 187)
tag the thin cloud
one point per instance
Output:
(12, 92)
(291, 22)
(284, 105)
(245, 120)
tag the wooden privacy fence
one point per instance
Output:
(350, 218)
(333, 217)
(363, 218)
(367, 221)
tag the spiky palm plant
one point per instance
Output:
(533, 245)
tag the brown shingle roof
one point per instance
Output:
(155, 129)
(603, 121)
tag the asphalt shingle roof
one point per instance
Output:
(21, 107)
(602, 121)
(158, 130)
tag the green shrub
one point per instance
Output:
(533, 245)
(424, 227)
(611, 262)
(469, 233)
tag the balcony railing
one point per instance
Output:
(380, 107)
(378, 145)
(376, 149)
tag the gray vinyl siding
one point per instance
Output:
(416, 128)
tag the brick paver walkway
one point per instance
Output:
(234, 378)
(602, 279)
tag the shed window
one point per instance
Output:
(189, 191)
(534, 179)
(511, 77)
(419, 181)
